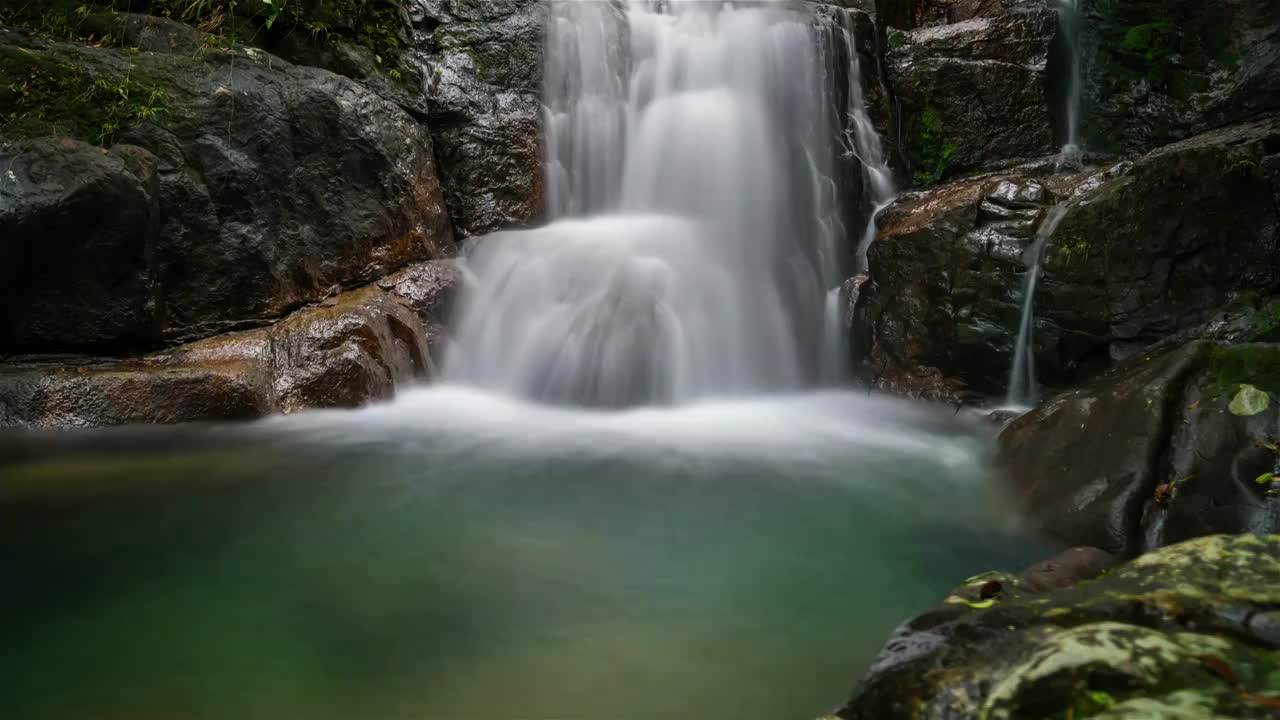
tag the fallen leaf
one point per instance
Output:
(1249, 401)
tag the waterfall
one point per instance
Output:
(863, 143)
(1069, 22)
(1022, 376)
(858, 141)
(695, 222)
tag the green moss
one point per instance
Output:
(1149, 40)
(480, 65)
(1231, 366)
(372, 24)
(42, 94)
(932, 149)
(1263, 324)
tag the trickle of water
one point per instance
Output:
(690, 154)
(1069, 21)
(1023, 388)
(858, 140)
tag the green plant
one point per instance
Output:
(933, 150)
(49, 95)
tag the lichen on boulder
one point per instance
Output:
(1188, 631)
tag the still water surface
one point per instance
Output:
(458, 556)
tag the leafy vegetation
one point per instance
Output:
(934, 150)
(44, 95)
(372, 24)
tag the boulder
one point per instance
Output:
(481, 65)
(1169, 245)
(236, 187)
(344, 351)
(942, 312)
(1157, 71)
(1189, 631)
(1155, 451)
(1145, 251)
(971, 94)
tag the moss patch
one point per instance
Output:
(933, 150)
(43, 94)
(1231, 366)
(374, 25)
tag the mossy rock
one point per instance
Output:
(1157, 71)
(973, 95)
(1158, 450)
(1189, 631)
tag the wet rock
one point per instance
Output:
(911, 14)
(1157, 71)
(352, 348)
(971, 94)
(1166, 635)
(1066, 569)
(1172, 248)
(1152, 452)
(1149, 250)
(947, 270)
(237, 188)
(80, 225)
(481, 65)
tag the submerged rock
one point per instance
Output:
(1184, 632)
(349, 349)
(237, 187)
(1156, 451)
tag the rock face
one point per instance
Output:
(1144, 252)
(237, 188)
(1157, 71)
(911, 14)
(1189, 631)
(1171, 246)
(947, 268)
(970, 94)
(481, 64)
(349, 349)
(1155, 451)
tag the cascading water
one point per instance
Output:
(1069, 22)
(859, 142)
(1022, 376)
(695, 223)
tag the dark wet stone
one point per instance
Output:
(261, 186)
(972, 93)
(355, 347)
(1153, 252)
(1151, 453)
(481, 69)
(1157, 71)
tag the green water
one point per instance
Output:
(455, 558)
